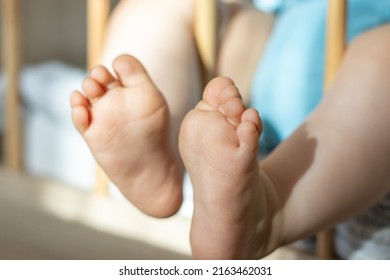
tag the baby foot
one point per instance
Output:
(125, 122)
(219, 144)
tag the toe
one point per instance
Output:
(230, 92)
(249, 131)
(130, 71)
(80, 117)
(80, 111)
(77, 99)
(233, 109)
(214, 89)
(102, 75)
(252, 115)
(92, 88)
(248, 138)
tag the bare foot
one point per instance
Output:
(219, 144)
(125, 122)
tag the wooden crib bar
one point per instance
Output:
(97, 15)
(205, 29)
(336, 37)
(335, 47)
(11, 65)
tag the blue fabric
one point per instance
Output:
(288, 83)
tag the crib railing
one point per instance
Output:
(335, 47)
(205, 30)
(11, 56)
(97, 14)
(336, 38)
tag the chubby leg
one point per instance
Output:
(244, 34)
(159, 34)
(164, 43)
(219, 144)
(342, 169)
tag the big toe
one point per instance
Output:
(214, 90)
(130, 71)
(223, 95)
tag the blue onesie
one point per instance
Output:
(288, 85)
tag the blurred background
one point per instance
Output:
(49, 211)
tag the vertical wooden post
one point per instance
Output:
(205, 29)
(335, 47)
(11, 60)
(336, 37)
(97, 15)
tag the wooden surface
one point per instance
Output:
(97, 15)
(335, 47)
(10, 16)
(205, 29)
(336, 37)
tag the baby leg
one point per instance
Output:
(219, 144)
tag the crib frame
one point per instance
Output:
(97, 14)
(11, 54)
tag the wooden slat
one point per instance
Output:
(336, 37)
(205, 29)
(335, 47)
(97, 15)
(11, 59)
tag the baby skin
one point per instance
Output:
(219, 145)
(125, 121)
